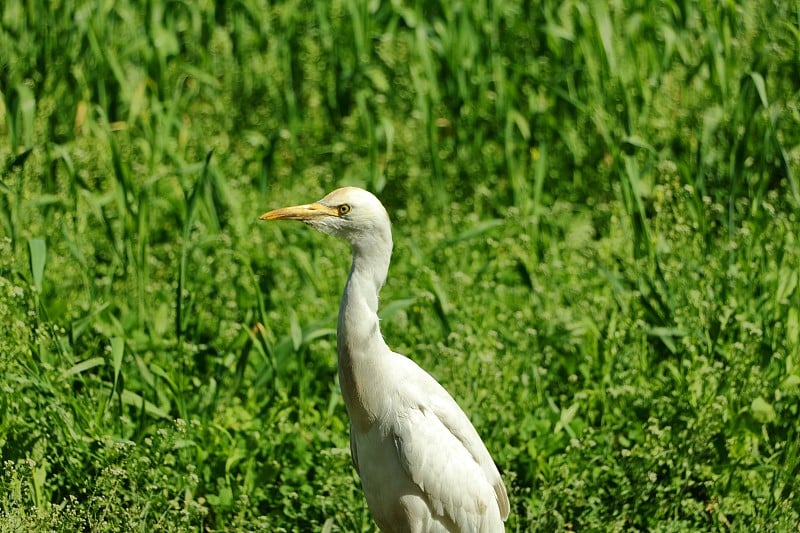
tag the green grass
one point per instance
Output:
(595, 212)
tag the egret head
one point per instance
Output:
(349, 213)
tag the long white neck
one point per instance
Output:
(359, 341)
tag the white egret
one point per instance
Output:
(422, 465)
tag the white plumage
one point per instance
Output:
(422, 465)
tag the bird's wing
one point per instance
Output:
(439, 447)
(456, 421)
(450, 480)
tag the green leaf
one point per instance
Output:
(440, 303)
(476, 231)
(521, 122)
(565, 418)
(316, 332)
(117, 351)
(38, 250)
(605, 30)
(83, 366)
(793, 327)
(762, 410)
(758, 81)
(134, 400)
(638, 142)
(791, 381)
(395, 306)
(24, 116)
(295, 330)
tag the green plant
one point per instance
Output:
(596, 250)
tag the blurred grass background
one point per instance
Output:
(595, 210)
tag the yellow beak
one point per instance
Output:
(300, 212)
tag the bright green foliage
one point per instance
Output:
(596, 224)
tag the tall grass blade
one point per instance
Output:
(605, 31)
(295, 331)
(83, 366)
(191, 210)
(540, 166)
(440, 303)
(132, 399)
(21, 116)
(473, 232)
(117, 352)
(387, 311)
(38, 257)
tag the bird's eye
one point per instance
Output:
(344, 209)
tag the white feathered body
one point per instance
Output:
(423, 467)
(422, 464)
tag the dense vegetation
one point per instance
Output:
(595, 212)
